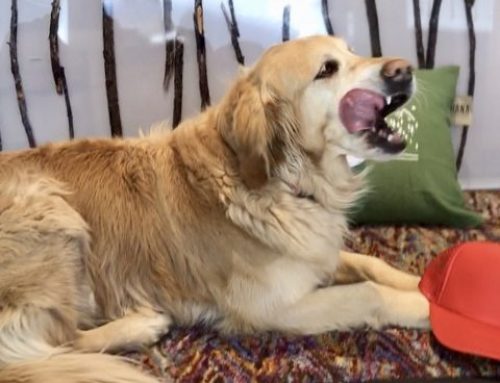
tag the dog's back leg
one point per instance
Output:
(42, 245)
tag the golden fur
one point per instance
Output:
(105, 243)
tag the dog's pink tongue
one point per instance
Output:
(359, 108)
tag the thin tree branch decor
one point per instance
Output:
(110, 69)
(472, 75)
(201, 53)
(169, 43)
(285, 29)
(371, 13)
(418, 34)
(232, 26)
(54, 46)
(326, 17)
(14, 66)
(58, 70)
(233, 17)
(174, 62)
(178, 81)
(433, 32)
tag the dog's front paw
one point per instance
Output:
(416, 311)
(423, 312)
(407, 309)
(150, 328)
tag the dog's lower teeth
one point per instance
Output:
(388, 100)
(390, 138)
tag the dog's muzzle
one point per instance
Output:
(363, 111)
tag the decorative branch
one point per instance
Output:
(201, 53)
(371, 13)
(169, 43)
(418, 34)
(472, 46)
(433, 31)
(178, 67)
(58, 70)
(285, 29)
(14, 66)
(232, 26)
(326, 17)
(233, 17)
(472, 75)
(54, 45)
(110, 69)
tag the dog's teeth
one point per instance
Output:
(390, 138)
(373, 129)
(388, 100)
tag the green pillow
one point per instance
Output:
(420, 186)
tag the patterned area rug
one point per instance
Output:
(197, 354)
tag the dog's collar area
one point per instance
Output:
(298, 192)
(302, 194)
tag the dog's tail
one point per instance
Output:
(63, 366)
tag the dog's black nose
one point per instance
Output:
(397, 75)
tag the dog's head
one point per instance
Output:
(314, 94)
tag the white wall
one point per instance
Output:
(140, 56)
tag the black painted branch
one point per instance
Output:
(169, 43)
(14, 66)
(69, 110)
(285, 29)
(58, 70)
(233, 17)
(110, 70)
(371, 13)
(201, 53)
(54, 45)
(418, 34)
(433, 32)
(178, 68)
(326, 17)
(472, 75)
(232, 26)
(169, 62)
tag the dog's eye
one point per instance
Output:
(328, 69)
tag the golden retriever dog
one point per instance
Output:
(235, 219)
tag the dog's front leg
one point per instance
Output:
(354, 268)
(131, 332)
(349, 306)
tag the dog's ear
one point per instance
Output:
(248, 125)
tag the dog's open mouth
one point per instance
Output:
(363, 112)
